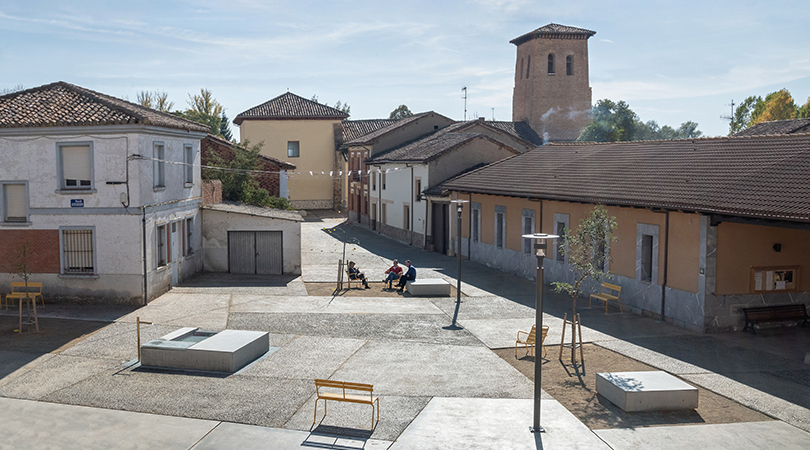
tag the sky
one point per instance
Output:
(671, 61)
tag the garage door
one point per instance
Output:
(255, 252)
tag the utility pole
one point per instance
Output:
(464, 90)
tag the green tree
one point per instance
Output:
(587, 251)
(204, 109)
(238, 176)
(615, 121)
(156, 100)
(224, 127)
(777, 105)
(12, 90)
(804, 111)
(343, 107)
(400, 112)
(742, 115)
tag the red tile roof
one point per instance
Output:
(353, 129)
(777, 127)
(763, 177)
(554, 30)
(63, 104)
(290, 106)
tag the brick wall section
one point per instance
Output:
(43, 246)
(268, 180)
(211, 192)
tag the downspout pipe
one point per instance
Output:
(145, 268)
(666, 261)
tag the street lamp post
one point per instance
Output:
(459, 210)
(540, 251)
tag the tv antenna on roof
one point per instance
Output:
(731, 117)
(464, 90)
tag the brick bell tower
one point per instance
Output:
(552, 92)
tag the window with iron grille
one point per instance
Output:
(78, 255)
(162, 246)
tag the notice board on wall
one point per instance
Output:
(774, 279)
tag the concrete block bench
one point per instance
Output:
(646, 391)
(433, 287)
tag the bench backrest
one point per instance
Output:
(609, 289)
(33, 287)
(775, 312)
(532, 338)
(343, 385)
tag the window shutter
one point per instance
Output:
(16, 203)
(76, 164)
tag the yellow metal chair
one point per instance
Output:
(530, 341)
(18, 291)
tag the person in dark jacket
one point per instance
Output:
(355, 274)
(410, 275)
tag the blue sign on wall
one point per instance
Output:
(77, 203)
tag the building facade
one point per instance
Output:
(552, 91)
(706, 227)
(103, 194)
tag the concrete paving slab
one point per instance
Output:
(353, 419)
(501, 333)
(463, 423)
(306, 357)
(338, 305)
(236, 284)
(415, 327)
(756, 399)
(215, 320)
(235, 398)
(485, 307)
(651, 357)
(50, 373)
(420, 369)
(248, 437)
(174, 306)
(30, 424)
(117, 341)
(732, 436)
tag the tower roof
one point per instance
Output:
(554, 31)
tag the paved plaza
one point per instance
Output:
(77, 384)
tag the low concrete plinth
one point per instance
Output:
(433, 287)
(226, 351)
(646, 391)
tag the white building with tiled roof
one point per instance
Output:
(104, 193)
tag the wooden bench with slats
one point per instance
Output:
(609, 292)
(336, 390)
(774, 313)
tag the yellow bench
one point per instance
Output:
(18, 291)
(609, 292)
(342, 396)
(530, 341)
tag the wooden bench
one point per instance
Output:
(774, 313)
(434, 287)
(530, 341)
(609, 292)
(18, 291)
(367, 397)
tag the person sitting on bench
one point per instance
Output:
(393, 273)
(410, 275)
(355, 274)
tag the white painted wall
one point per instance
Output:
(216, 225)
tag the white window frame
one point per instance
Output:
(417, 183)
(528, 244)
(297, 149)
(62, 182)
(158, 165)
(645, 229)
(189, 155)
(63, 257)
(564, 220)
(4, 203)
(500, 216)
(162, 242)
(475, 219)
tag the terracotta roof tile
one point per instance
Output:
(777, 127)
(764, 177)
(63, 104)
(290, 106)
(353, 129)
(371, 137)
(554, 30)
